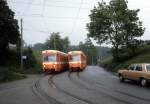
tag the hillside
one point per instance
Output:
(143, 56)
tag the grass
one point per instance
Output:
(142, 57)
(35, 70)
(6, 75)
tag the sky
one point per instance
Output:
(69, 17)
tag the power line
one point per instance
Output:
(70, 2)
(43, 8)
(61, 1)
(74, 24)
(28, 7)
(47, 17)
(33, 30)
(46, 5)
(46, 26)
(42, 12)
(44, 21)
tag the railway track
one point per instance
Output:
(92, 89)
(52, 84)
(36, 89)
(112, 89)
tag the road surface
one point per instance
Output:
(92, 86)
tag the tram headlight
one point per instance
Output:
(54, 65)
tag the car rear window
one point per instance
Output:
(148, 67)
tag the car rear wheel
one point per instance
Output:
(143, 82)
(121, 78)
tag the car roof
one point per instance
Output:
(141, 64)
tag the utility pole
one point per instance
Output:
(21, 44)
(92, 59)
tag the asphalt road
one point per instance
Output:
(92, 86)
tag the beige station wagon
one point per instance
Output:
(137, 72)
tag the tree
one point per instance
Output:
(38, 46)
(9, 30)
(30, 61)
(66, 44)
(74, 47)
(90, 50)
(114, 23)
(57, 43)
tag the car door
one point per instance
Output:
(137, 72)
(128, 74)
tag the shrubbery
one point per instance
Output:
(142, 56)
(7, 74)
(10, 44)
(10, 65)
(31, 64)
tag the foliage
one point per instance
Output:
(10, 58)
(90, 50)
(143, 56)
(6, 74)
(38, 57)
(30, 61)
(147, 42)
(66, 44)
(117, 25)
(9, 34)
(55, 42)
(9, 30)
(74, 47)
(38, 47)
(103, 53)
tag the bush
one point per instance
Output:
(6, 74)
(142, 57)
(10, 58)
(30, 61)
(113, 66)
(32, 70)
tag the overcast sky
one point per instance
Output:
(69, 17)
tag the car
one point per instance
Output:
(136, 72)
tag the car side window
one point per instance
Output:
(131, 68)
(138, 68)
